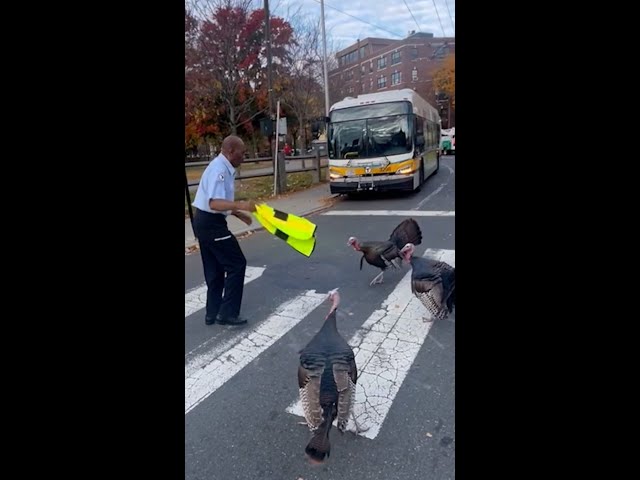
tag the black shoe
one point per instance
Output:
(209, 321)
(230, 320)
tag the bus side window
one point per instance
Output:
(420, 131)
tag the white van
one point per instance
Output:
(448, 141)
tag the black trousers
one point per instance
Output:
(223, 262)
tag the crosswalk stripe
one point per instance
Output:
(398, 213)
(386, 346)
(196, 298)
(206, 373)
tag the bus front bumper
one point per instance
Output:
(378, 183)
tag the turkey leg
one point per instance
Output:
(375, 280)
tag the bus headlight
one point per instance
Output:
(406, 170)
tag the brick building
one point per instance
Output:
(378, 64)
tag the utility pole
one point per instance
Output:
(274, 127)
(324, 62)
(267, 29)
(279, 168)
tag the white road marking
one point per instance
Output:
(437, 190)
(196, 298)
(400, 213)
(208, 372)
(386, 346)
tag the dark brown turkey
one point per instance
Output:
(433, 282)
(327, 377)
(385, 254)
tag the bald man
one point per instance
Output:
(219, 249)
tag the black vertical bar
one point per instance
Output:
(186, 186)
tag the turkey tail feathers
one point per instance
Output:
(407, 231)
(319, 447)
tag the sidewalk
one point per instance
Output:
(302, 203)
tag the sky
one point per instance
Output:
(348, 20)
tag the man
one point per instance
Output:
(219, 248)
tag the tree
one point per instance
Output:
(233, 54)
(201, 110)
(302, 93)
(445, 79)
(190, 60)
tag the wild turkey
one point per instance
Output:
(433, 282)
(385, 254)
(327, 377)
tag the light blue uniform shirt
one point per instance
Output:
(217, 182)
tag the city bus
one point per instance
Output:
(382, 141)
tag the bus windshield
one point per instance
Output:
(370, 131)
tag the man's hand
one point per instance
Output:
(243, 216)
(247, 205)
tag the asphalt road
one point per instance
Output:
(243, 429)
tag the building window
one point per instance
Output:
(396, 78)
(361, 52)
(414, 52)
(395, 58)
(382, 82)
(382, 62)
(414, 74)
(349, 58)
(371, 66)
